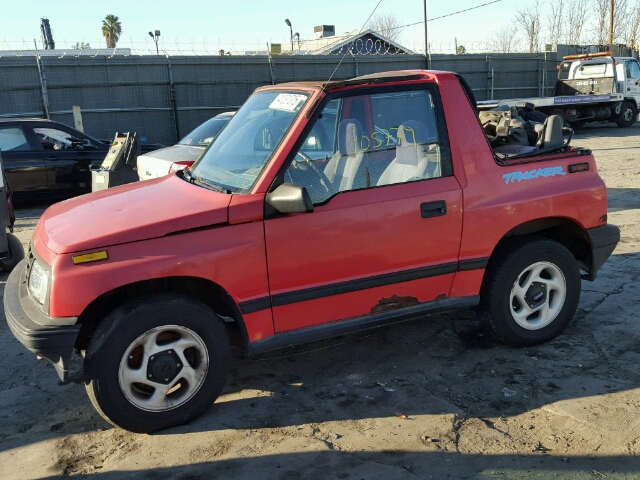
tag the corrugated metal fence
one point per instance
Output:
(163, 98)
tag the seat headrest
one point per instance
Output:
(349, 136)
(553, 132)
(412, 132)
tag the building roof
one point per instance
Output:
(365, 42)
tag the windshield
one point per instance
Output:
(234, 161)
(203, 134)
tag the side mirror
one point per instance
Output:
(290, 198)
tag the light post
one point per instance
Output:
(155, 38)
(286, 20)
(297, 35)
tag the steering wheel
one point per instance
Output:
(326, 183)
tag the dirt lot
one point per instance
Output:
(431, 398)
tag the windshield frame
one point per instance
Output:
(309, 93)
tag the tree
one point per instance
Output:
(504, 40)
(81, 46)
(602, 21)
(556, 21)
(578, 13)
(633, 27)
(387, 25)
(461, 50)
(529, 19)
(111, 30)
(622, 21)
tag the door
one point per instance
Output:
(67, 158)
(632, 71)
(386, 227)
(23, 165)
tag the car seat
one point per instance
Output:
(551, 135)
(413, 160)
(342, 168)
(549, 138)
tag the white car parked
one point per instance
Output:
(164, 161)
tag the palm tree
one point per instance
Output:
(111, 30)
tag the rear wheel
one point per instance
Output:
(531, 295)
(577, 124)
(628, 115)
(561, 114)
(157, 362)
(534, 115)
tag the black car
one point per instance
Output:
(49, 160)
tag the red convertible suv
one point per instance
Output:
(322, 208)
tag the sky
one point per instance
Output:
(240, 24)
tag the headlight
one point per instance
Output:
(38, 282)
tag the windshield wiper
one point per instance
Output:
(207, 183)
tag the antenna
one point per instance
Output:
(353, 41)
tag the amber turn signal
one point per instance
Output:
(90, 257)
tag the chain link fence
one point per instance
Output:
(164, 97)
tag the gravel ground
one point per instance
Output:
(431, 398)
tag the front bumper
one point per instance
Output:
(603, 242)
(49, 337)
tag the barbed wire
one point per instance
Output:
(215, 47)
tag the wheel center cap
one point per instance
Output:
(164, 367)
(536, 294)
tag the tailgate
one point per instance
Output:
(584, 86)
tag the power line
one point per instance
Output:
(462, 11)
(348, 48)
(444, 16)
(404, 26)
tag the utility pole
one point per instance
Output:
(611, 23)
(426, 38)
(532, 35)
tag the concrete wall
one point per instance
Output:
(164, 98)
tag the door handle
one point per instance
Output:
(433, 209)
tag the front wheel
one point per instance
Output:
(628, 115)
(531, 292)
(157, 362)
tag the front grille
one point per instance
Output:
(30, 259)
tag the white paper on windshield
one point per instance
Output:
(288, 102)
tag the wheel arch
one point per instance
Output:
(563, 230)
(208, 292)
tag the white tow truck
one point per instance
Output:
(590, 87)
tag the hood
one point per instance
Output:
(176, 153)
(130, 213)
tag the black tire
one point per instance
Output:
(628, 115)
(112, 340)
(576, 125)
(503, 272)
(561, 114)
(16, 253)
(535, 116)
